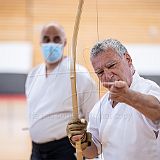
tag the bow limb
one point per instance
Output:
(73, 74)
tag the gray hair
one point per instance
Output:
(102, 46)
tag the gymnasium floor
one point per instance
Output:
(14, 138)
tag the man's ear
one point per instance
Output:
(65, 42)
(128, 58)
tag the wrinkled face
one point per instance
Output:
(110, 67)
(53, 34)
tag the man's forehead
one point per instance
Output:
(53, 27)
(49, 29)
(106, 55)
(104, 58)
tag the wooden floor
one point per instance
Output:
(14, 138)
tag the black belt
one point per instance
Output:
(51, 144)
(58, 150)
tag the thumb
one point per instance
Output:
(119, 84)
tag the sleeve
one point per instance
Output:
(152, 125)
(154, 91)
(87, 93)
(29, 80)
(93, 127)
(90, 97)
(27, 85)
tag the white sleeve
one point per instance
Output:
(154, 91)
(90, 97)
(93, 127)
(87, 93)
(30, 79)
(152, 125)
(27, 84)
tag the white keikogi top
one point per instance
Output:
(50, 100)
(123, 133)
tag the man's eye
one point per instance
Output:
(100, 73)
(57, 39)
(111, 66)
(46, 39)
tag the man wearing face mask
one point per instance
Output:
(49, 98)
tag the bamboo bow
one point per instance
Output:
(73, 74)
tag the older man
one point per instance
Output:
(125, 123)
(49, 97)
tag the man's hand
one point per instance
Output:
(76, 130)
(119, 91)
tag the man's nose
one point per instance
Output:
(108, 75)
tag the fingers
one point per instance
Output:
(72, 133)
(76, 129)
(117, 84)
(76, 138)
(83, 121)
(120, 84)
(108, 84)
(77, 125)
(78, 121)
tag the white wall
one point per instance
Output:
(15, 57)
(146, 58)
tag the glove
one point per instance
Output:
(78, 127)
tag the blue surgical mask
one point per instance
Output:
(52, 52)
